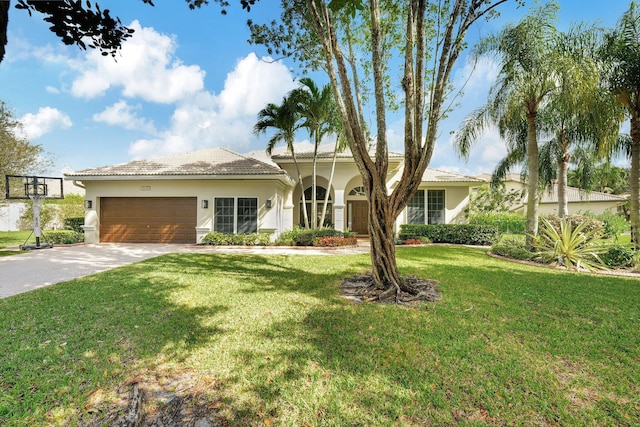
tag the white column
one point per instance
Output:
(339, 222)
(287, 210)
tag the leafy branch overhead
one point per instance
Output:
(86, 24)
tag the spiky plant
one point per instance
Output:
(575, 248)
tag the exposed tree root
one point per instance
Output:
(413, 290)
(152, 399)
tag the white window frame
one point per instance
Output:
(235, 211)
(425, 206)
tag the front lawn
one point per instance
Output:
(267, 340)
(14, 238)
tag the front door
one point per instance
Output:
(359, 215)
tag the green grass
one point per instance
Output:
(508, 344)
(14, 238)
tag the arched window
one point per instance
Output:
(358, 191)
(321, 192)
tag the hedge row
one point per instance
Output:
(303, 237)
(464, 234)
(222, 239)
(333, 242)
(506, 222)
(74, 224)
(65, 237)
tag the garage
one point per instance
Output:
(148, 219)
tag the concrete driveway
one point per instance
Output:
(38, 268)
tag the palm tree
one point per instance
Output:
(526, 79)
(340, 145)
(620, 53)
(315, 106)
(579, 112)
(284, 119)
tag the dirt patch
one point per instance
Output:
(152, 399)
(362, 288)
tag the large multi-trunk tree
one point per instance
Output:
(433, 36)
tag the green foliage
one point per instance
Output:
(17, 155)
(221, 239)
(591, 224)
(574, 247)
(306, 237)
(488, 200)
(63, 236)
(48, 212)
(464, 234)
(506, 222)
(74, 224)
(72, 206)
(513, 247)
(618, 256)
(614, 224)
(331, 242)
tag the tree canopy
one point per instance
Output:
(17, 155)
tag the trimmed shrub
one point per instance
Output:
(416, 241)
(506, 222)
(513, 252)
(332, 242)
(74, 224)
(614, 224)
(464, 234)
(221, 239)
(592, 227)
(305, 237)
(618, 256)
(64, 237)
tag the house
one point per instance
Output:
(181, 198)
(578, 201)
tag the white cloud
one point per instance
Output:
(144, 68)
(209, 120)
(124, 115)
(44, 121)
(475, 79)
(52, 90)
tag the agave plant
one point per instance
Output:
(575, 248)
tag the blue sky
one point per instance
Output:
(189, 80)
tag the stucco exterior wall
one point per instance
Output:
(346, 176)
(270, 220)
(596, 208)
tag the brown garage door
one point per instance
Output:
(148, 219)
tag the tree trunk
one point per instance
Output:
(314, 185)
(333, 169)
(563, 168)
(304, 200)
(383, 250)
(634, 178)
(532, 185)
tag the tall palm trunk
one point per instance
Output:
(634, 177)
(333, 169)
(532, 185)
(563, 168)
(314, 183)
(304, 201)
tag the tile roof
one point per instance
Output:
(577, 195)
(436, 175)
(326, 152)
(212, 161)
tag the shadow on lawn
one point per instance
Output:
(492, 346)
(62, 343)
